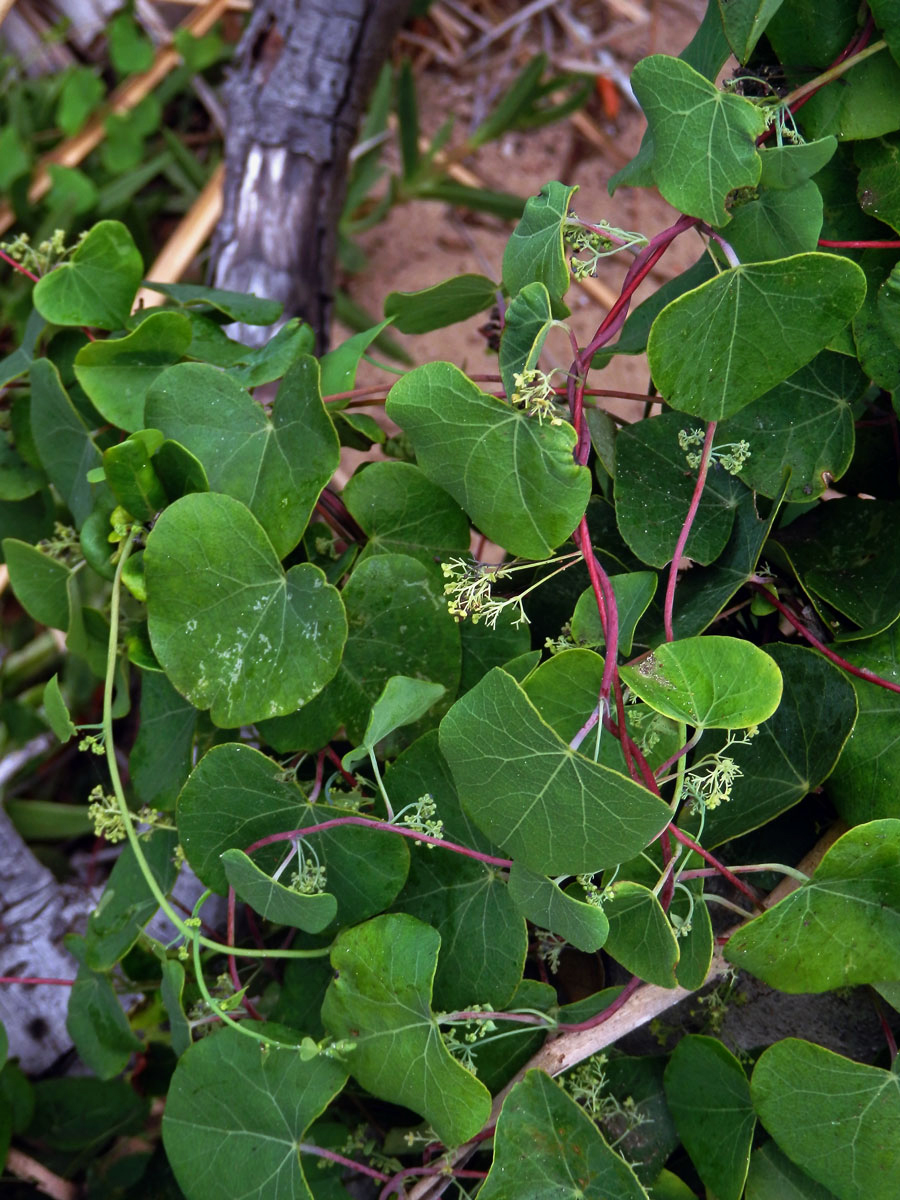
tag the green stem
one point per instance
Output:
(832, 73)
(133, 840)
(213, 1004)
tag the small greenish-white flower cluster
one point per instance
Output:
(533, 391)
(472, 1031)
(731, 455)
(586, 1084)
(41, 258)
(422, 817)
(104, 815)
(468, 590)
(310, 879)
(63, 545)
(549, 948)
(594, 895)
(92, 742)
(709, 783)
(596, 243)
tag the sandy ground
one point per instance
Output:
(422, 243)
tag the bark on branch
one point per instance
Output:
(304, 70)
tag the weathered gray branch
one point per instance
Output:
(304, 72)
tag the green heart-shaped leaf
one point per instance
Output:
(232, 630)
(97, 285)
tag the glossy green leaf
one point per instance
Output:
(702, 594)
(62, 439)
(862, 784)
(127, 903)
(39, 581)
(131, 474)
(795, 749)
(484, 647)
(805, 424)
(81, 92)
(116, 373)
(710, 682)
(386, 596)
(872, 330)
(272, 900)
(541, 802)
(811, 35)
(380, 999)
(130, 49)
(777, 223)
(97, 1025)
(695, 937)
(235, 796)
(444, 304)
(277, 465)
(684, 110)
(79, 1114)
(837, 1119)
(97, 285)
(705, 347)
(840, 928)
(653, 490)
(339, 365)
(841, 553)
(258, 1105)
(745, 22)
(275, 358)
(16, 160)
(709, 1098)
(179, 471)
(546, 905)
(528, 320)
(565, 691)
(170, 992)
(547, 1148)
(57, 711)
(790, 165)
(483, 936)
(160, 759)
(640, 936)
(879, 193)
(236, 306)
(18, 480)
(864, 106)
(403, 512)
(536, 251)
(772, 1176)
(237, 634)
(403, 701)
(633, 593)
(514, 476)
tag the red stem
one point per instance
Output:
(686, 530)
(382, 827)
(333, 1156)
(876, 244)
(18, 267)
(861, 672)
(333, 755)
(31, 980)
(714, 862)
(630, 987)
(232, 961)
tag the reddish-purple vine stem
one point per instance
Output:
(333, 1156)
(682, 837)
(876, 244)
(33, 980)
(686, 530)
(382, 827)
(860, 672)
(18, 267)
(630, 987)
